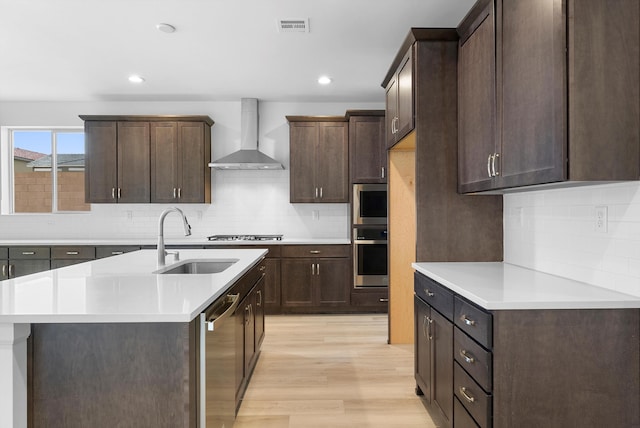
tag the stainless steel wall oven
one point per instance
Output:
(370, 267)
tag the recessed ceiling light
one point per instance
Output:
(165, 28)
(134, 78)
(324, 80)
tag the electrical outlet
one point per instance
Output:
(602, 219)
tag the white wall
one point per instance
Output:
(554, 231)
(242, 201)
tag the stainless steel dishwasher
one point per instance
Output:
(217, 364)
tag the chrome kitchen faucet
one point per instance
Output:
(187, 231)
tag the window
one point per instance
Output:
(47, 171)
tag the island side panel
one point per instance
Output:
(114, 374)
(560, 368)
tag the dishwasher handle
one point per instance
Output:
(216, 318)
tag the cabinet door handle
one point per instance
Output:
(113, 193)
(314, 251)
(489, 165)
(73, 253)
(466, 396)
(318, 268)
(428, 292)
(495, 170)
(4, 270)
(382, 174)
(467, 356)
(467, 321)
(321, 193)
(424, 326)
(12, 270)
(179, 193)
(119, 193)
(430, 333)
(313, 269)
(316, 193)
(174, 193)
(259, 302)
(28, 253)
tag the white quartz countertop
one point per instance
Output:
(121, 289)
(505, 286)
(171, 241)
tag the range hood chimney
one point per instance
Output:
(248, 157)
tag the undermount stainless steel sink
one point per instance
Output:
(201, 266)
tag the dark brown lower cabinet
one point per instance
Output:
(433, 360)
(526, 368)
(315, 278)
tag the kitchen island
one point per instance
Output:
(501, 346)
(110, 294)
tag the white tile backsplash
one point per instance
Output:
(555, 231)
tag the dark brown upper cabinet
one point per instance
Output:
(180, 153)
(399, 119)
(367, 146)
(319, 159)
(117, 162)
(142, 159)
(548, 93)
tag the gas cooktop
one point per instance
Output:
(245, 238)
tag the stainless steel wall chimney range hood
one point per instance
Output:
(248, 157)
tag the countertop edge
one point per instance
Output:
(620, 301)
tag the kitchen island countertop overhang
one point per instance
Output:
(121, 288)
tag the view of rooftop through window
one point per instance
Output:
(36, 155)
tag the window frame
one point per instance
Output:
(7, 185)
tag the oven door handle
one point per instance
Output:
(369, 241)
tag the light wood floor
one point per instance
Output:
(332, 371)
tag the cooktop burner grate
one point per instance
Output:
(245, 238)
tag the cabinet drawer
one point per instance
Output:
(461, 417)
(473, 358)
(4, 253)
(474, 321)
(439, 297)
(83, 252)
(108, 251)
(316, 251)
(29, 253)
(473, 398)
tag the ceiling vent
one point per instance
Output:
(293, 25)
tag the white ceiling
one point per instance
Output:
(222, 50)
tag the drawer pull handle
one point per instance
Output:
(28, 253)
(117, 253)
(466, 396)
(314, 251)
(262, 268)
(72, 253)
(428, 293)
(467, 321)
(383, 300)
(467, 357)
